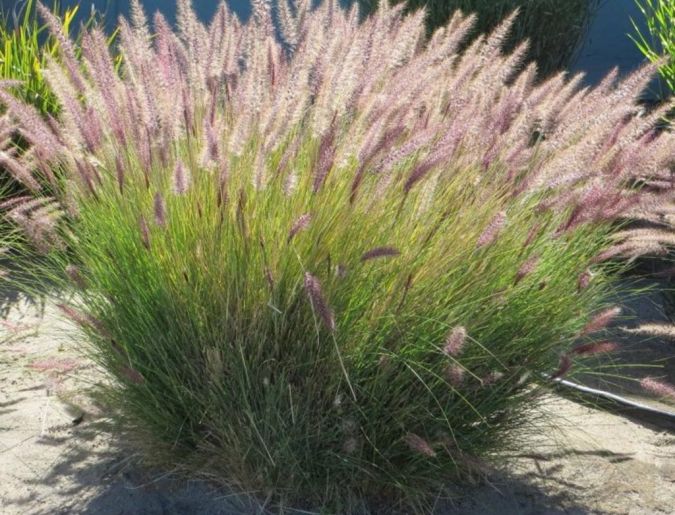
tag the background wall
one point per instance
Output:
(606, 45)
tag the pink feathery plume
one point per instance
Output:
(527, 268)
(657, 387)
(66, 47)
(145, 232)
(493, 229)
(83, 320)
(420, 445)
(299, 225)
(589, 349)
(420, 171)
(19, 172)
(316, 298)
(584, 280)
(160, 210)
(181, 179)
(74, 274)
(119, 171)
(454, 342)
(532, 235)
(132, 375)
(601, 320)
(492, 377)
(455, 375)
(325, 160)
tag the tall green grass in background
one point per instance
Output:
(25, 45)
(659, 43)
(554, 28)
(25, 48)
(335, 270)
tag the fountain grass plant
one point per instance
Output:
(330, 268)
(554, 28)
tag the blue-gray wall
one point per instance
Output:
(606, 45)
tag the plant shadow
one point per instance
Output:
(100, 479)
(12, 290)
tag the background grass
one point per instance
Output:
(24, 47)
(659, 43)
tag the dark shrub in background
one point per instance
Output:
(554, 27)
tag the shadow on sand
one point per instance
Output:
(99, 479)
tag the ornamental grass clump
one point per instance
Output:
(334, 265)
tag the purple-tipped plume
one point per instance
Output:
(66, 47)
(181, 179)
(145, 232)
(74, 274)
(493, 229)
(83, 320)
(492, 378)
(380, 252)
(455, 375)
(19, 172)
(454, 342)
(349, 446)
(132, 375)
(658, 388)
(589, 349)
(341, 271)
(532, 235)
(420, 445)
(119, 170)
(299, 225)
(319, 304)
(584, 280)
(160, 210)
(601, 320)
(325, 160)
(527, 268)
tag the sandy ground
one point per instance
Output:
(53, 460)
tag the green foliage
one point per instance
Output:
(553, 27)
(333, 271)
(221, 364)
(25, 48)
(23, 53)
(659, 44)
